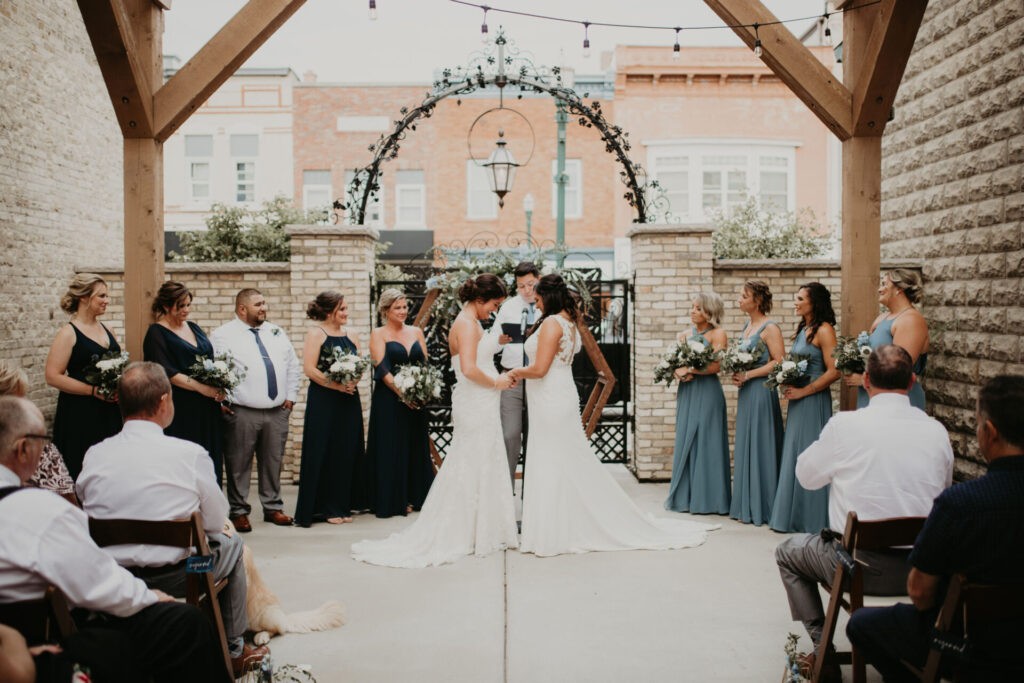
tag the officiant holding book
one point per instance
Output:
(514, 318)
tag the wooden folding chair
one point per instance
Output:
(847, 588)
(45, 620)
(200, 588)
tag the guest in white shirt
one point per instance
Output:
(519, 312)
(257, 417)
(141, 473)
(45, 541)
(887, 460)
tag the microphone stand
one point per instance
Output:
(525, 415)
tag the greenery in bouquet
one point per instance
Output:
(791, 371)
(342, 367)
(220, 372)
(689, 353)
(420, 383)
(851, 354)
(105, 371)
(738, 359)
(793, 672)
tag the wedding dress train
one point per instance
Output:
(571, 503)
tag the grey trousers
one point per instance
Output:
(513, 425)
(806, 559)
(227, 562)
(263, 432)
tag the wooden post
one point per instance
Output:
(143, 236)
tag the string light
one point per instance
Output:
(757, 43)
(586, 39)
(373, 10)
(828, 30)
(483, 26)
(676, 54)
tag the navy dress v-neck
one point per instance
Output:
(397, 449)
(196, 418)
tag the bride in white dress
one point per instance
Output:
(469, 509)
(571, 503)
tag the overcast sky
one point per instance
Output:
(412, 38)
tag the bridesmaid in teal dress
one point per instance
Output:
(332, 478)
(903, 325)
(700, 462)
(795, 508)
(758, 415)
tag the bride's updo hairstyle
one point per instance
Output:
(484, 287)
(556, 297)
(324, 304)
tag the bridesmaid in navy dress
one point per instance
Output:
(84, 417)
(700, 462)
(902, 325)
(333, 468)
(175, 342)
(810, 407)
(759, 431)
(398, 450)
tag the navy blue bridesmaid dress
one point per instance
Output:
(397, 448)
(332, 474)
(700, 461)
(796, 508)
(758, 446)
(882, 335)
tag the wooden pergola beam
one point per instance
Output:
(883, 62)
(200, 77)
(113, 31)
(792, 62)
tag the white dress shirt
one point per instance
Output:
(886, 460)
(236, 338)
(141, 473)
(512, 312)
(45, 540)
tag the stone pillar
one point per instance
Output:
(328, 257)
(671, 264)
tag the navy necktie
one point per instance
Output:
(271, 373)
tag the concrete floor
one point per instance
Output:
(716, 612)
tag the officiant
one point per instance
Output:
(514, 318)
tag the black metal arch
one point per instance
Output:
(502, 64)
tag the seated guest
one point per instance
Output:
(135, 633)
(975, 528)
(887, 460)
(143, 474)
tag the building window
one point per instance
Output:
(573, 189)
(410, 200)
(673, 174)
(244, 150)
(723, 182)
(374, 209)
(316, 189)
(198, 154)
(481, 202)
(774, 183)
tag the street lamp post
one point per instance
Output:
(561, 179)
(528, 208)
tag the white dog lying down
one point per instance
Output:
(266, 618)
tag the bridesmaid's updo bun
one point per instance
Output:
(761, 294)
(169, 295)
(486, 286)
(82, 287)
(324, 304)
(907, 281)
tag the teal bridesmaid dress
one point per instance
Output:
(795, 508)
(881, 336)
(758, 444)
(700, 462)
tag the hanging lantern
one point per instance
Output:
(501, 167)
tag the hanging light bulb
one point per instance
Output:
(483, 27)
(373, 10)
(586, 39)
(676, 54)
(828, 31)
(757, 43)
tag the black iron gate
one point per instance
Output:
(608, 318)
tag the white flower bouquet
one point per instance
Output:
(690, 353)
(342, 367)
(851, 354)
(220, 372)
(419, 383)
(105, 372)
(737, 359)
(791, 371)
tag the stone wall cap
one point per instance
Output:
(333, 231)
(199, 267)
(742, 264)
(667, 229)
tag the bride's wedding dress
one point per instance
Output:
(469, 509)
(571, 503)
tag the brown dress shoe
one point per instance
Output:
(249, 660)
(242, 524)
(277, 517)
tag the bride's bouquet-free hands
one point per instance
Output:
(737, 359)
(104, 373)
(342, 367)
(419, 383)
(791, 371)
(221, 372)
(690, 353)
(851, 354)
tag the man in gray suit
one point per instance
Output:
(517, 314)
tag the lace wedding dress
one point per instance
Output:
(571, 503)
(469, 510)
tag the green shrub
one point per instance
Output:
(748, 232)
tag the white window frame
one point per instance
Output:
(475, 170)
(236, 180)
(190, 161)
(420, 204)
(374, 210)
(574, 170)
(310, 188)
